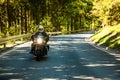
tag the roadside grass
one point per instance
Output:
(12, 43)
(108, 36)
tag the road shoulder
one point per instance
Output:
(110, 51)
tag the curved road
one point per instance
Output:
(70, 58)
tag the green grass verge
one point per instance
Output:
(108, 36)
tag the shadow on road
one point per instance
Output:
(40, 59)
(69, 58)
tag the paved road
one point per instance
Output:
(70, 58)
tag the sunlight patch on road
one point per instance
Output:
(67, 42)
(7, 52)
(85, 77)
(95, 65)
(6, 69)
(75, 35)
(53, 79)
(4, 74)
(28, 44)
(16, 79)
(89, 77)
(117, 56)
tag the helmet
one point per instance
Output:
(40, 28)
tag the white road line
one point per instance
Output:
(7, 52)
(16, 47)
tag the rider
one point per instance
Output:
(46, 36)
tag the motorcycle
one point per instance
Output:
(40, 46)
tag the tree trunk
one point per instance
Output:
(22, 21)
(25, 20)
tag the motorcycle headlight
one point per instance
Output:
(39, 40)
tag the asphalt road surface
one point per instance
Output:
(70, 57)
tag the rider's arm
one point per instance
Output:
(46, 36)
(34, 36)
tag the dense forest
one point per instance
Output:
(22, 16)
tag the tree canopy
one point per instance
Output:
(23, 16)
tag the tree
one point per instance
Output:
(114, 14)
(106, 12)
(22, 16)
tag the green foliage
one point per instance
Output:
(108, 36)
(46, 22)
(114, 13)
(106, 12)
(23, 16)
(14, 30)
(1, 35)
(63, 29)
(32, 27)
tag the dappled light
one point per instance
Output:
(71, 55)
(89, 78)
(24, 45)
(97, 65)
(108, 36)
(70, 58)
(16, 79)
(51, 79)
(78, 38)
